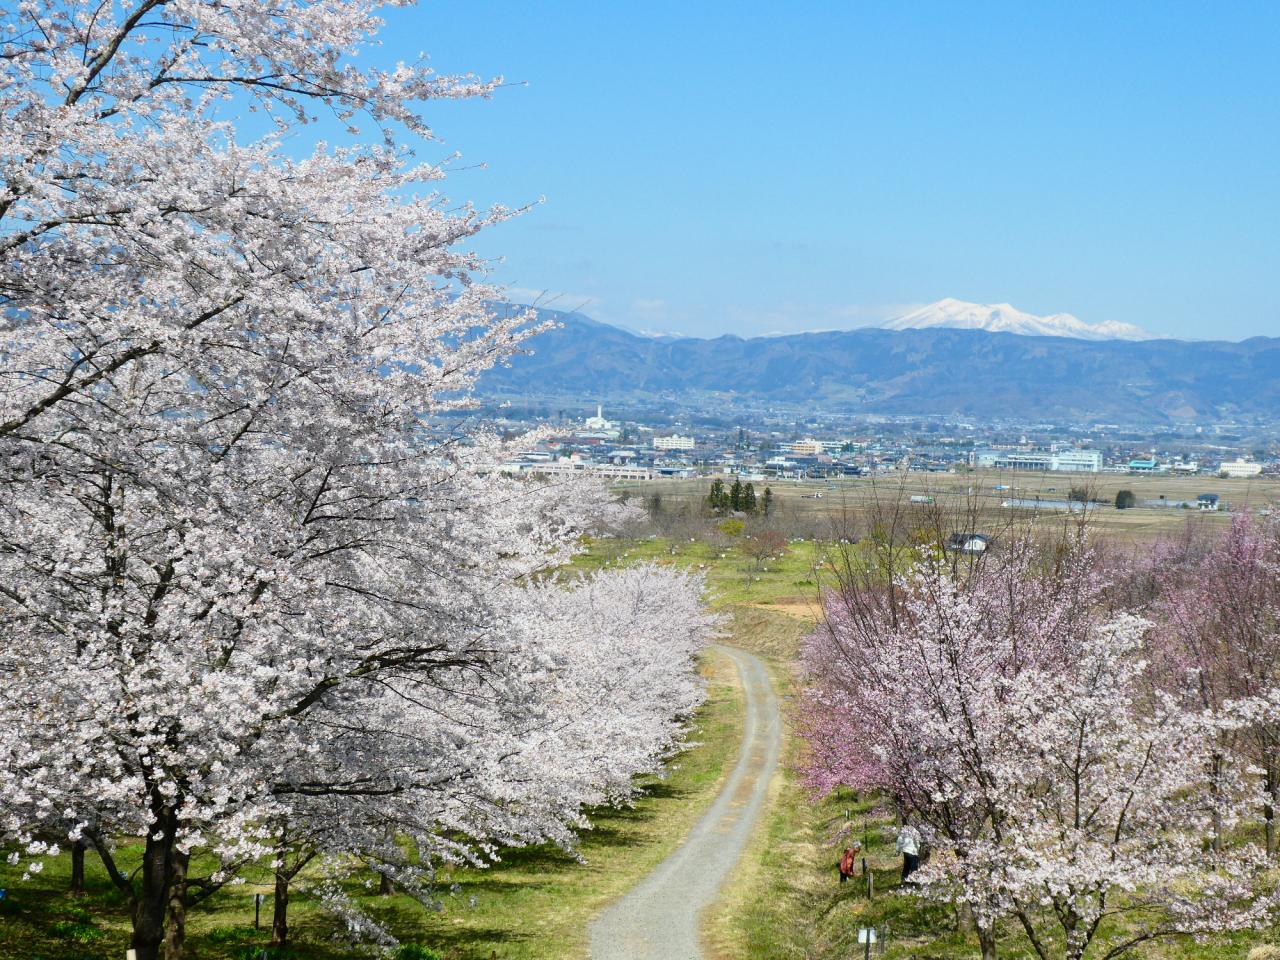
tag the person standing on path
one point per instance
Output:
(909, 846)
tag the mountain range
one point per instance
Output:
(919, 371)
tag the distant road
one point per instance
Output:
(658, 918)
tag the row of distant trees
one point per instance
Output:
(738, 498)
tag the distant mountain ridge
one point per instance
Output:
(939, 370)
(1005, 318)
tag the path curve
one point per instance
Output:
(658, 918)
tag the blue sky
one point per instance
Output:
(746, 167)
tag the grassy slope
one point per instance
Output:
(732, 579)
(538, 902)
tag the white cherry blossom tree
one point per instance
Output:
(230, 543)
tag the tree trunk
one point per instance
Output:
(175, 936)
(1269, 809)
(987, 939)
(77, 867)
(157, 871)
(385, 885)
(280, 912)
(1214, 790)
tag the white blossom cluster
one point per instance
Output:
(250, 603)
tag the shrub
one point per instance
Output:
(231, 934)
(74, 930)
(415, 951)
(731, 528)
(252, 952)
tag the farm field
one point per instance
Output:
(819, 506)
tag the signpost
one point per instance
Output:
(257, 909)
(866, 936)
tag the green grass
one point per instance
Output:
(733, 579)
(538, 902)
(535, 904)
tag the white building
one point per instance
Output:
(566, 467)
(1239, 468)
(673, 442)
(598, 422)
(782, 467)
(1077, 461)
(599, 427)
(1062, 461)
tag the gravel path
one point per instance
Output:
(658, 918)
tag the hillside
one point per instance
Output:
(916, 371)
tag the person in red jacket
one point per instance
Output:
(847, 861)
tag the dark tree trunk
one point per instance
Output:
(1269, 809)
(987, 939)
(77, 867)
(280, 913)
(175, 936)
(157, 871)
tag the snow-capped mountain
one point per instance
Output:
(1003, 318)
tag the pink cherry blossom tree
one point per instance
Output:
(1008, 714)
(1221, 651)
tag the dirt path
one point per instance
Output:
(658, 918)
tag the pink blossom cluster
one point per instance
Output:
(1064, 758)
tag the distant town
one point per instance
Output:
(624, 449)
